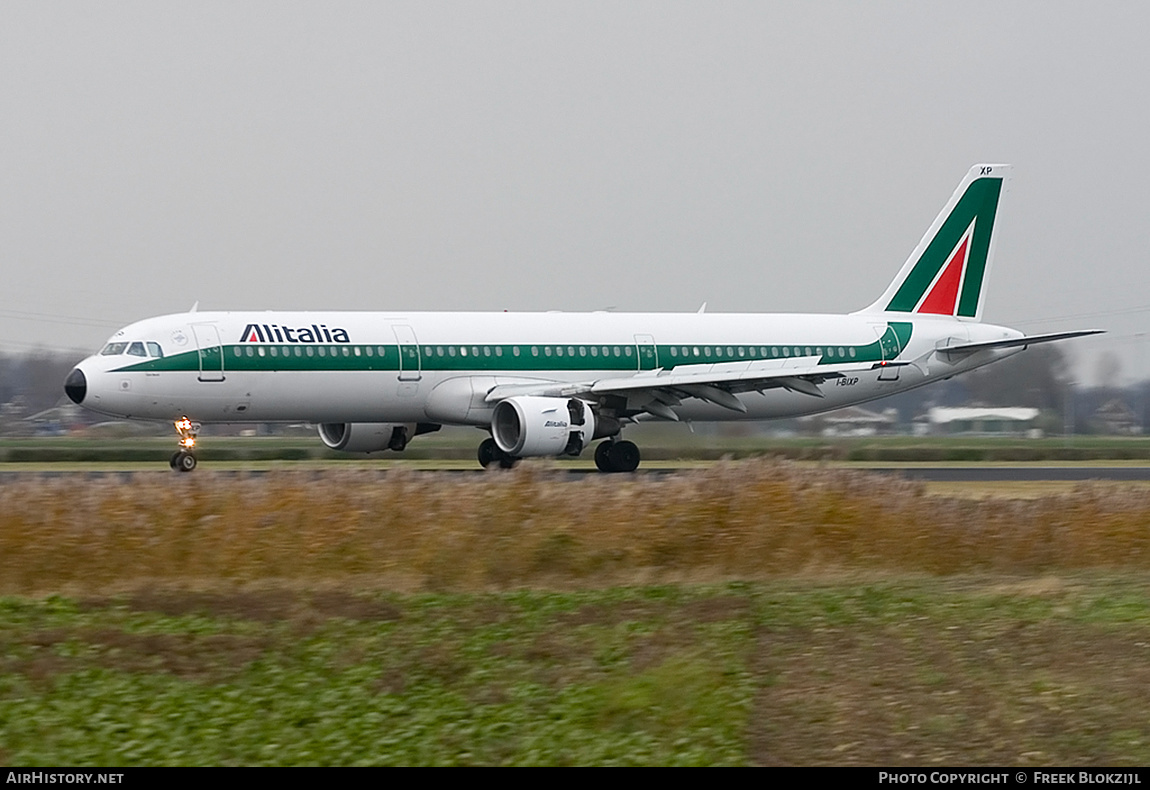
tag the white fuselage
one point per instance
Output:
(368, 367)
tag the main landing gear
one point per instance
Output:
(617, 456)
(184, 460)
(610, 456)
(489, 453)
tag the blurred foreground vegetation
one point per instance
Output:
(753, 612)
(538, 527)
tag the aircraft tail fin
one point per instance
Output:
(947, 272)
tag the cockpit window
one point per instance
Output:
(112, 349)
(154, 350)
(137, 350)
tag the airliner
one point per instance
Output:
(551, 384)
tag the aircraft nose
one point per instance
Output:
(76, 386)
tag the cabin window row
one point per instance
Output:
(763, 352)
(308, 351)
(429, 352)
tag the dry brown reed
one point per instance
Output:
(536, 527)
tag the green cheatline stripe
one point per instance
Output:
(518, 358)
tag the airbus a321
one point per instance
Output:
(551, 384)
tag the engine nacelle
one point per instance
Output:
(532, 425)
(371, 437)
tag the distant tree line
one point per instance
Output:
(36, 379)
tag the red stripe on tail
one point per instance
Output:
(944, 295)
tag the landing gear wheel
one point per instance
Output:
(183, 461)
(623, 456)
(602, 459)
(175, 458)
(488, 452)
(617, 457)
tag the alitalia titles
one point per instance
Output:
(274, 333)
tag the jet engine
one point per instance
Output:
(371, 437)
(533, 425)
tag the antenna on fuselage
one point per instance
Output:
(702, 308)
(195, 307)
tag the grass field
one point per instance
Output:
(757, 612)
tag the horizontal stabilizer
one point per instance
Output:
(1016, 342)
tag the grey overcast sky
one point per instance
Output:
(762, 156)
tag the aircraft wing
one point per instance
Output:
(655, 391)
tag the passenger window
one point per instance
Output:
(154, 350)
(137, 350)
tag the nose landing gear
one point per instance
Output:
(184, 460)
